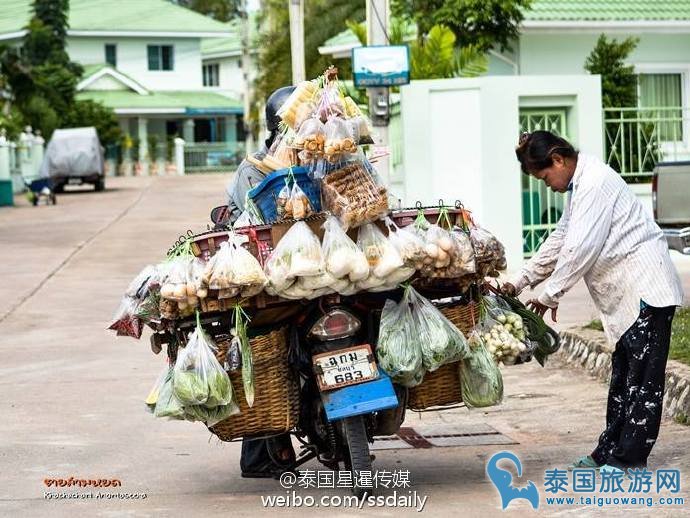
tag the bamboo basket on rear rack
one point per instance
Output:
(276, 403)
(442, 386)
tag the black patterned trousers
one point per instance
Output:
(636, 392)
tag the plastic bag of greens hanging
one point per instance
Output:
(167, 403)
(152, 398)
(481, 381)
(441, 342)
(209, 416)
(502, 332)
(198, 378)
(398, 349)
(241, 319)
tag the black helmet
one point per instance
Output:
(273, 104)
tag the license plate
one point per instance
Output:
(74, 181)
(345, 367)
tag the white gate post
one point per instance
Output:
(179, 156)
(37, 150)
(5, 171)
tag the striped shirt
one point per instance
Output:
(606, 237)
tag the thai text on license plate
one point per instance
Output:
(345, 367)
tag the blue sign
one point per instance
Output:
(381, 65)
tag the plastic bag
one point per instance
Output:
(299, 207)
(219, 273)
(353, 195)
(331, 102)
(340, 141)
(489, 252)
(343, 258)
(398, 351)
(440, 341)
(196, 288)
(481, 381)
(246, 219)
(447, 254)
(198, 378)
(152, 398)
(301, 103)
(503, 333)
(126, 321)
(141, 284)
(311, 136)
(297, 254)
(246, 268)
(409, 244)
(281, 154)
(382, 256)
(167, 403)
(174, 281)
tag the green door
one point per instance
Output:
(541, 207)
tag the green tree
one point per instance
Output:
(323, 19)
(91, 113)
(481, 24)
(221, 10)
(618, 80)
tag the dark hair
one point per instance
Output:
(535, 150)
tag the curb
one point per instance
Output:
(589, 350)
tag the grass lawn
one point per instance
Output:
(680, 335)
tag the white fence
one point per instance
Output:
(21, 160)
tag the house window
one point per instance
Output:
(661, 94)
(160, 57)
(111, 54)
(211, 74)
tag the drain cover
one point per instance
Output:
(441, 436)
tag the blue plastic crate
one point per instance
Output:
(266, 193)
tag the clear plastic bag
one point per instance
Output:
(127, 321)
(301, 103)
(140, 285)
(152, 398)
(340, 141)
(281, 154)
(489, 252)
(448, 254)
(441, 342)
(398, 351)
(283, 202)
(167, 403)
(342, 256)
(297, 254)
(195, 282)
(246, 268)
(246, 219)
(311, 136)
(331, 102)
(353, 195)
(300, 205)
(382, 256)
(481, 381)
(198, 378)
(219, 272)
(503, 333)
(409, 244)
(174, 281)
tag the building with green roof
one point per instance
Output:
(144, 59)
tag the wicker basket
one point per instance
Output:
(276, 402)
(442, 387)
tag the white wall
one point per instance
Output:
(132, 59)
(459, 137)
(231, 79)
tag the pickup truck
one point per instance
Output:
(671, 201)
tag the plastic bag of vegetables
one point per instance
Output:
(398, 349)
(503, 333)
(152, 398)
(167, 403)
(481, 381)
(382, 256)
(448, 251)
(198, 378)
(441, 342)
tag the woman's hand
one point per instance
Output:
(541, 309)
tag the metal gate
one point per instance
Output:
(541, 207)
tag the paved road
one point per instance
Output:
(73, 394)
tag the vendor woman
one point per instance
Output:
(608, 238)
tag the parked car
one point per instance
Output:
(74, 157)
(670, 190)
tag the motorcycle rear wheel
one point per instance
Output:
(357, 457)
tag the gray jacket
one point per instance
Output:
(246, 177)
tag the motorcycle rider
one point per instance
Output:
(261, 458)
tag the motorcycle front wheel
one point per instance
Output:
(357, 457)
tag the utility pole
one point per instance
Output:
(378, 23)
(247, 65)
(297, 40)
